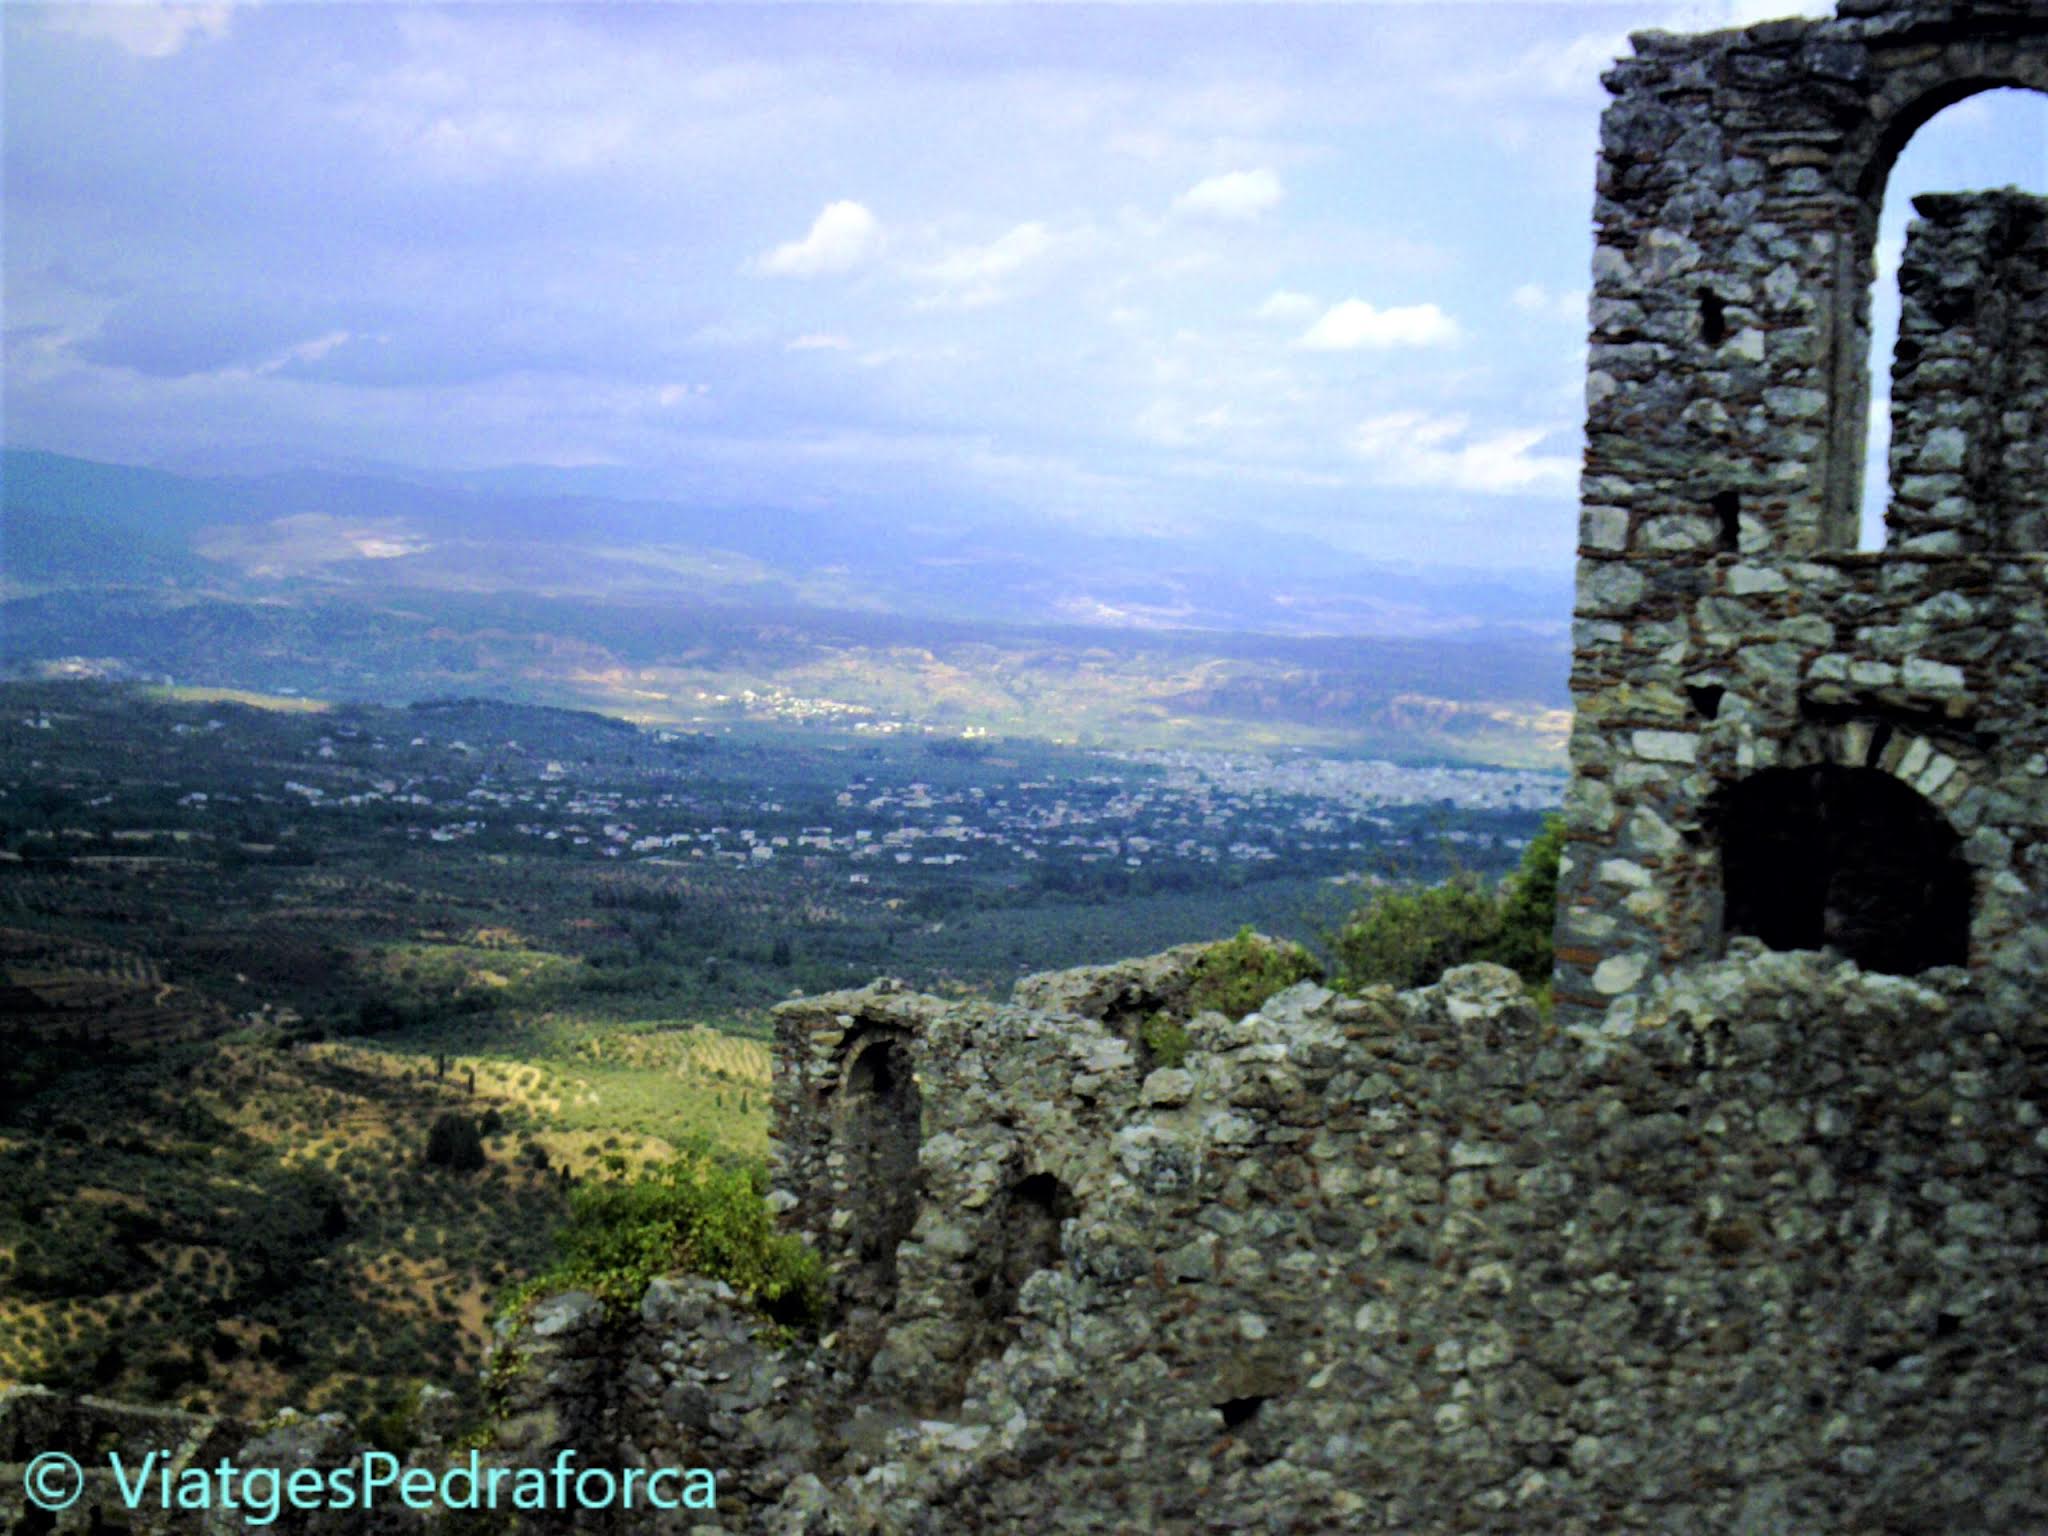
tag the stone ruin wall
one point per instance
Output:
(1763, 1254)
(1726, 624)
(1969, 456)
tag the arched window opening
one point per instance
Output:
(1850, 859)
(880, 1133)
(1995, 138)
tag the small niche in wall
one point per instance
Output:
(1705, 699)
(1023, 1237)
(1239, 1411)
(1713, 318)
(1727, 506)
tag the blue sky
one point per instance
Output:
(1312, 271)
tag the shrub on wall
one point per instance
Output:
(1408, 938)
(1238, 975)
(699, 1212)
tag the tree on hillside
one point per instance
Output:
(453, 1141)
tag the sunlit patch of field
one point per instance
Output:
(280, 702)
(499, 1083)
(672, 1085)
(433, 964)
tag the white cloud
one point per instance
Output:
(1354, 324)
(818, 341)
(1535, 299)
(1286, 305)
(974, 275)
(1563, 70)
(999, 258)
(147, 30)
(1173, 425)
(306, 351)
(882, 357)
(1233, 195)
(1413, 448)
(842, 236)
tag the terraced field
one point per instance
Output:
(244, 1222)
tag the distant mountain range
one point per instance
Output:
(71, 521)
(519, 582)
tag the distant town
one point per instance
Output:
(1134, 809)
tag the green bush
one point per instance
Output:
(1408, 938)
(698, 1212)
(1165, 1040)
(1239, 974)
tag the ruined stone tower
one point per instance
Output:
(1777, 735)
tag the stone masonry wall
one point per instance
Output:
(1761, 1252)
(1969, 453)
(1725, 623)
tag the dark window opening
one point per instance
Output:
(1706, 699)
(1844, 858)
(1728, 513)
(880, 1134)
(1713, 319)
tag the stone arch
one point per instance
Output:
(1941, 767)
(1853, 858)
(1919, 96)
(878, 1133)
(1898, 108)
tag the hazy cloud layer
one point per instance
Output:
(1148, 268)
